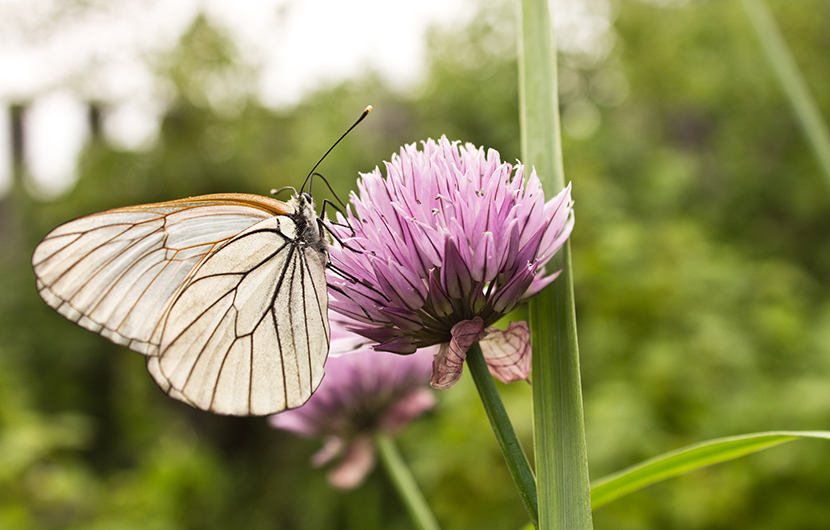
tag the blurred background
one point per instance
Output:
(701, 250)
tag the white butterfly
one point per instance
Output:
(225, 294)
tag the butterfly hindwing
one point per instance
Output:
(254, 294)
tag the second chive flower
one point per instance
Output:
(443, 247)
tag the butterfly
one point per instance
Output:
(224, 294)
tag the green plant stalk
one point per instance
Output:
(792, 81)
(506, 437)
(405, 483)
(563, 486)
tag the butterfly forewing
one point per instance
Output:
(221, 293)
(114, 272)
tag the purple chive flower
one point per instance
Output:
(363, 392)
(450, 241)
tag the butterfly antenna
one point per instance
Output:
(310, 173)
(278, 191)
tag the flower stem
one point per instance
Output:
(559, 432)
(405, 483)
(505, 434)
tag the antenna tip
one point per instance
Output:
(368, 110)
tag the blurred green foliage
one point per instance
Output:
(701, 257)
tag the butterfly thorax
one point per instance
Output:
(305, 219)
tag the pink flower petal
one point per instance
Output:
(485, 260)
(455, 274)
(506, 298)
(507, 352)
(350, 472)
(403, 345)
(404, 319)
(440, 300)
(296, 423)
(332, 448)
(448, 364)
(407, 409)
(446, 370)
(539, 283)
(380, 335)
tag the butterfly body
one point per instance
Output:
(225, 294)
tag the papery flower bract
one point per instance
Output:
(363, 392)
(450, 241)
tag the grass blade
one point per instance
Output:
(563, 488)
(688, 459)
(795, 87)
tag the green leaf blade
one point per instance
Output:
(801, 99)
(688, 459)
(563, 486)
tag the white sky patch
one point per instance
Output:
(99, 51)
(5, 151)
(344, 38)
(132, 127)
(56, 129)
(584, 28)
(104, 51)
(667, 3)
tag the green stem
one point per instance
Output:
(561, 455)
(506, 437)
(405, 483)
(795, 87)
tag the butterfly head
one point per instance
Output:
(303, 204)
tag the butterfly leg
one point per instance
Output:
(354, 279)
